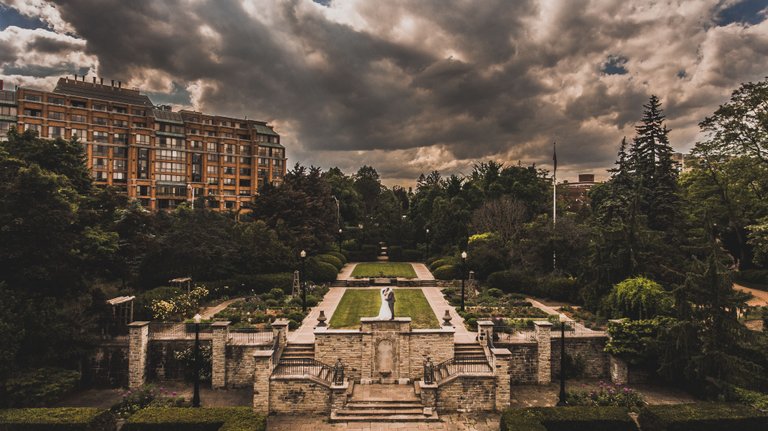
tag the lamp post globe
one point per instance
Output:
(196, 389)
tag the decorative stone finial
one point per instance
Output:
(321, 319)
(447, 318)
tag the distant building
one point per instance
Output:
(576, 195)
(160, 157)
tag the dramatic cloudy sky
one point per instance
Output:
(409, 86)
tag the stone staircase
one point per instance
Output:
(470, 353)
(384, 403)
(298, 351)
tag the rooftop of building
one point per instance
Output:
(94, 90)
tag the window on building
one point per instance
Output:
(77, 118)
(171, 154)
(101, 121)
(245, 160)
(99, 175)
(80, 134)
(8, 111)
(140, 125)
(230, 159)
(212, 170)
(99, 163)
(100, 150)
(55, 132)
(55, 115)
(213, 180)
(121, 152)
(119, 123)
(99, 107)
(170, 167)
(228, 181)
(142, 190)
(119, 165)
(142, 139)
(33, 97)
(78, 103)
(119, 109)
(245, 172)
(140, 112)
(55, 100)
(229, 170)
(211, 146)
(99, 136)
(120, 138)
(165, 141)
(213, 157)
(33, 113)
(230, 205)
(118, 177)
(245, 183)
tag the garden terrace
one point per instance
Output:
(383, 270)
(358, 303)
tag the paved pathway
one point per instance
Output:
(422, 273)
(453, 422)
(439, 304)
(346, 271)
(760, 297)
(306, 332)
(209, 312)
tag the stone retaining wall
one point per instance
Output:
(298, 396)
(467, 394)
(523, 363)
(589, 350)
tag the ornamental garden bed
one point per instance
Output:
(383, 270)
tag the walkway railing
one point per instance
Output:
(304, 367)
(250, 336)
(178, 331)
(455, 366)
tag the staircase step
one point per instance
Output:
(379, 405)
(418, 410)
(336, 417)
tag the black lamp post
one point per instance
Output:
(427, 244)
(303, 256)
(340, 231)
(561, 402)
(463, 276)
(196, 391)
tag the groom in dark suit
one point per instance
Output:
(390, 296)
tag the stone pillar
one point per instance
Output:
(501, 371)
(543, 333)
(262, 370)
(428, 394)
(219, 354)
(280, 331)
(618, 367)
(339, 395)
(138, 343)
(484, 330)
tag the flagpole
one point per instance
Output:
(554, 204)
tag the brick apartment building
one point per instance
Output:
(157, 156)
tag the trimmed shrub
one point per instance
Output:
(58, 419)
(367, 253)
(333, 260)
(338, 255)
(412, 255)
(199, 419)
(320, 272)
(558, 288)
(447, 272)
(639, 298)
(702, 417)
(395, 253)
(567, 419)
(511, 281)
(38, 387)
(437, 263)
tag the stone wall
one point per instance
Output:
(298, 396)
(438, 344)
(467, 394)
(587, 350)
(240, 365)
(523, 363)
(332, 344)
(161, 358)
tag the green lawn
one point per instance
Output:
(357, 303)
(385, 269)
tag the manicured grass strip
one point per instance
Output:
(413, 303)
(357, 303)
(57, 419)
(196, 419)
(384, 269)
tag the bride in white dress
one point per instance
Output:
(384, 313)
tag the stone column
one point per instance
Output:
(219, 354)
(428, 394)
(262, 370)
(138, 342)
(618, 367)
(339, 395)
(280, 331)
(543, 333)
(501, 371)
(484, 330)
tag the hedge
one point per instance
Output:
(320, 272)
(553, 287)
(367, 253)
(38, 387)
(412, 255)
(447, 272)
(702, 417)
(395, 253)
(333, 260)
(510, 281)
(57, 419)
(196, 419)
(580, 418)
(442, 262)
(338, 255)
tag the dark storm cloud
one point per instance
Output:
(48, 45)
(437, 84)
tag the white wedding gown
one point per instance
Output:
(384, 313)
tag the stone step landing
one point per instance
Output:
(384, 411)
(298, 351)
(384, 403)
